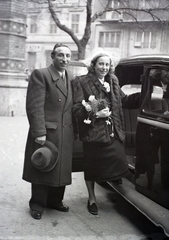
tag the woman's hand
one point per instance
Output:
(41, 140)
(103, 113)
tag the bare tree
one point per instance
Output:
(136, 10)
(157, 11)
(81, 43)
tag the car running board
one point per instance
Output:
(153, 211)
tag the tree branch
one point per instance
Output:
(87, 31)
(61, 26)
(128, 10)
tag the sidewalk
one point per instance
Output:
(116, 221)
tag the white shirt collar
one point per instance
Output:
(62, 73)
(164, 87)
(101, 80)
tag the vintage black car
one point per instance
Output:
(147, 136)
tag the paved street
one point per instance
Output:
(116, 221)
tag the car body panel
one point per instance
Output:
(157, 214)
(150, 188)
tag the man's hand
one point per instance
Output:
(103, 113)
(40, 140)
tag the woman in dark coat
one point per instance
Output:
(100, 124)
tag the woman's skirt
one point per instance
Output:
(104, 162)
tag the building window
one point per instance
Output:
(75, 23)
(114, 3)
(109, 39)
(31, 60)
(117, 15)
(145, 40)
(113, 15)
(103, 16)
(142, 4)
(149, 3)
(53, 26)
(48, 57)
(33, 24)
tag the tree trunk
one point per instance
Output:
(81, 52)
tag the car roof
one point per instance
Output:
(135, 60)
(145, 59)
(77, 63)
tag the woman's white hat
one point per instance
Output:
(114, 56)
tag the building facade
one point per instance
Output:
(43, 34)
(27, 37)
(121, 33)
(118, 33)
(12, 57)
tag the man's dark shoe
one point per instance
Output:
(60, 207)
(36, 214)
(92, 208)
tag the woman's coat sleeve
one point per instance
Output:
(79, 111)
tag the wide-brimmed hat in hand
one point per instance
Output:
(45, 158)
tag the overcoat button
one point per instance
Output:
(59, 99)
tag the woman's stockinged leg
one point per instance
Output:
(90, 187)
(91, 205)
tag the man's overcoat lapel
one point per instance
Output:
(60, 84)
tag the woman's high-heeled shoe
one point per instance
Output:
(92, 208)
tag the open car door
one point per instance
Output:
(147, 149)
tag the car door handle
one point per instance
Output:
(152, 129)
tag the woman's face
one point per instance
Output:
(102, 66)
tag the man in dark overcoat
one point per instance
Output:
(49, 112)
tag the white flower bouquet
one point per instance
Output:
(94, 106)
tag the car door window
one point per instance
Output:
(156, 99)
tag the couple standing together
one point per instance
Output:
(96, 101)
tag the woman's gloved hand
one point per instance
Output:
(103, 113)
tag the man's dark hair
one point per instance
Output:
(155, 73)
(56, 46)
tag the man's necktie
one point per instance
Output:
(64, 79)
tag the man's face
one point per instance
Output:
(165, 76)
(61, 58)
